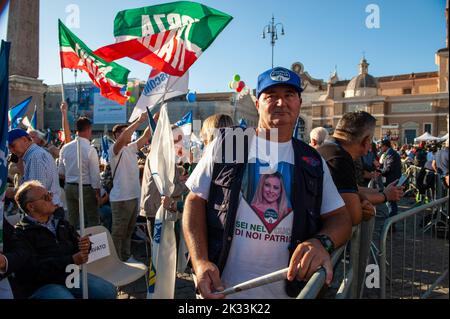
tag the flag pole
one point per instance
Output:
(81, 213)
(257, 282)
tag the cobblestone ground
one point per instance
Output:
(430, 259)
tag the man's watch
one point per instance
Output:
(326, 242)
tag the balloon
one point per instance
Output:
(131, 88)
(230, 84)
(237, 77)
(235, 85)
(191, 97)
(127, 93)
(132, 99)
(241, 85)
(239, 90)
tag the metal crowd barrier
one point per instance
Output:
(418, 259)
(351, 277)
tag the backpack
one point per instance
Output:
(107, 178)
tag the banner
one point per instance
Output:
(109, 77)
(170, 37)
(159, 88)
(107, 111)
(164, 248)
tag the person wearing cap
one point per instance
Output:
(38, 165)
(317, 136)
(68, 169)
(391, 170)
(229, 241)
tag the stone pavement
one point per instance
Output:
(430, 258)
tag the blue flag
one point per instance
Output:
(17, 112)
(4, 87)
(34, 119)
(185, 123)
(105, 150)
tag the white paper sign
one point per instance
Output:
(100, 247)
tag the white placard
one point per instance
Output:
(107, 111)
(100, 247)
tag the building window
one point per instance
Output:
(407, 91)
(428, 127)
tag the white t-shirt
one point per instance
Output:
(126, 179)
(264, 217)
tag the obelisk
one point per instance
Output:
(23, 33)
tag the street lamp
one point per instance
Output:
(271, 29)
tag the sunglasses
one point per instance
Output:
(47, 197)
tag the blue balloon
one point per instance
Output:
(191, 97)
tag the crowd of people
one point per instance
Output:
(291, 206)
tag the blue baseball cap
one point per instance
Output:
(15, 134)
(278, 76)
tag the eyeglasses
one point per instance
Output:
(47, 197)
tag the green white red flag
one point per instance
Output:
(110, 78)
(170, 37)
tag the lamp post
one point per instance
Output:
(271, 29)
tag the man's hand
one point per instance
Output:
(393, 193)
(80, 258)
(368, 210)
(84, 244)
(143, 118)
(63, 107)
(307, 258)
(168, 203)
(208, 280)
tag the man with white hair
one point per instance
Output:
(39, 139)
(317, 136)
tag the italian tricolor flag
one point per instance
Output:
(170, 37)
(109, 77)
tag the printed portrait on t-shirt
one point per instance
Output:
(267, 191)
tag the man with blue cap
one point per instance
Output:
(277, 208)
(38, 165)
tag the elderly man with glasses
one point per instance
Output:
(41, 248)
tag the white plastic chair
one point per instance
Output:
(111, 268)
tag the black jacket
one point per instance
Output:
(392, 166)
(36, 257)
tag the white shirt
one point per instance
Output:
(126, 179)
(261, 238)
(68, 163)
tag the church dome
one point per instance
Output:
(363, 84)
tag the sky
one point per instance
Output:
(321, 34)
